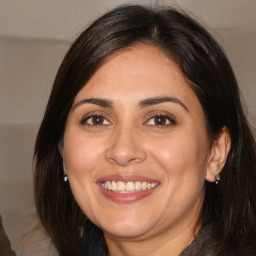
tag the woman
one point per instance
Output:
(144, 148)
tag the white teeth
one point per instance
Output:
(138, 185)
(108, 185)
(114, 186)
(130, 186)
(153, 185)
(144, 185)
(120, 186)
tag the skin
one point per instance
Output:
(129, 141)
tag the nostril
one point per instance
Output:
(122, 160)
(125, 158)
(125, 147)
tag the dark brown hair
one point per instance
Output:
(230, 206)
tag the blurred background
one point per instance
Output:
(34, 37)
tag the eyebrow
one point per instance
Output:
(96, 101)
(157, 100)
(143, 103)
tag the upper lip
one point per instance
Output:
(126, 178)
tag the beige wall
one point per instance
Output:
(62, 19)
(27, 71)
(34, 36)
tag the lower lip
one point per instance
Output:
(126, 197)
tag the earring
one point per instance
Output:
(217, 177)
(65, 178)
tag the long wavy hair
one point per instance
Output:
(230, 206)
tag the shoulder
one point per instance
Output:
(206, 244)
(201, 246)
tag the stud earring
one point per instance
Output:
(65, 178)
(217, 177)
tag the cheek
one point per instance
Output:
(82, 157)
(82, 153)
(181, 153)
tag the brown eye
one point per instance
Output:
(160, 120)
(95, 120)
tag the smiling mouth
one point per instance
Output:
(128, 187)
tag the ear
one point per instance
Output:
(61, 150)
(218, 154)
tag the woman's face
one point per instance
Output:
(136, 148)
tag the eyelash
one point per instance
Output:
(164, 117)
(84, 121)
(102, 121)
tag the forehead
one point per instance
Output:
(138, 72)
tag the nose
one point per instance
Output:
(125, 147)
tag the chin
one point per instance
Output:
(126, 232)
(126, 229)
